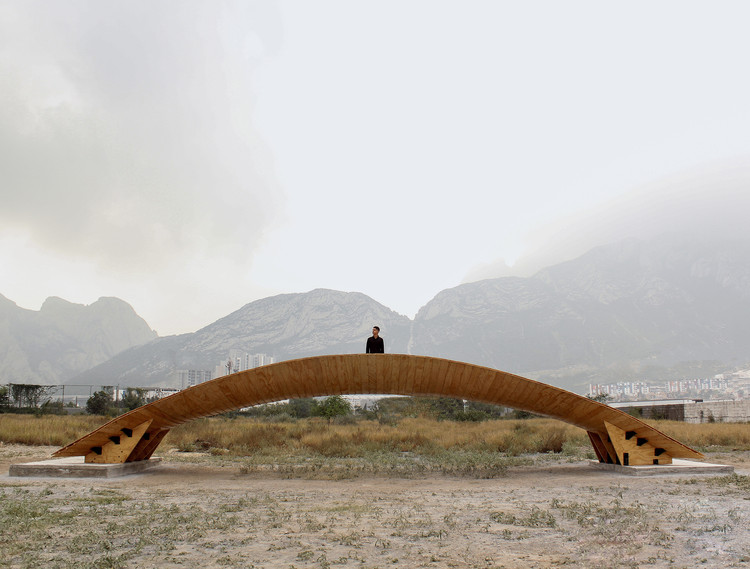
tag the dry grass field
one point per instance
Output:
(423, 493)
(243, 436)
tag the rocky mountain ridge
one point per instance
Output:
(625, 311)
(63, 339)
(285, 326)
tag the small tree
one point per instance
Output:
(28, 394)
(445, 408)
(4, 397)
(301, 408)
(522, 415)
(99, 403)
(600, 397)
(133, 398)
(369, 411)
(333, 406)
(53, 407)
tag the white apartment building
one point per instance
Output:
(239, 361)
(190, 377)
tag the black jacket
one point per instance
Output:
(375, 345)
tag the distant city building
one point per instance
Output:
(627, 390)
(689, 410)
(706, 384)
(190, 377)
(262, 360)
(149, 393)
(239, 361)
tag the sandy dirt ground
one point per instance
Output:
(209, 514)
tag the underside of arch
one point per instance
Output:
(616, 436)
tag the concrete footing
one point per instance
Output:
(75, 467)
(678, 466)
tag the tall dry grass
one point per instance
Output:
(52, 430)
(242, 436)
(705, 436)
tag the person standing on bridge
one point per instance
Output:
(375, 344)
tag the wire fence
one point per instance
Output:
(71, 397)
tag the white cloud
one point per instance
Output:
(191, 156)
(127, 137)
(706, 202)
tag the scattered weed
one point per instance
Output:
(535, 517)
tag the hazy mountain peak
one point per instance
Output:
(63, 339)
(608, 314)
(53, 302)
(285, 326)
(6, 301)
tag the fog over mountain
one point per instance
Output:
(673, 306)
(711, 202)
(194, 156)
(631, 310)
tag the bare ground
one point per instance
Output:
(209, 512)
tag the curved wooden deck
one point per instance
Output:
(616, 436)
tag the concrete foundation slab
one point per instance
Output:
(75, 467)
(678, 466)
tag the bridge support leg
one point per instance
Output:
(603, 447)
(632, 450)
(119, 447)
(599, 448)
(147, 445)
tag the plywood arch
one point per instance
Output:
(616, 436)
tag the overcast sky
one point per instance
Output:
(190, 157)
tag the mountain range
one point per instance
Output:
(62, 339)
(663, 308)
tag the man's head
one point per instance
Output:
(375, 331)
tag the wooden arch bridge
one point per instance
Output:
(616, 436)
